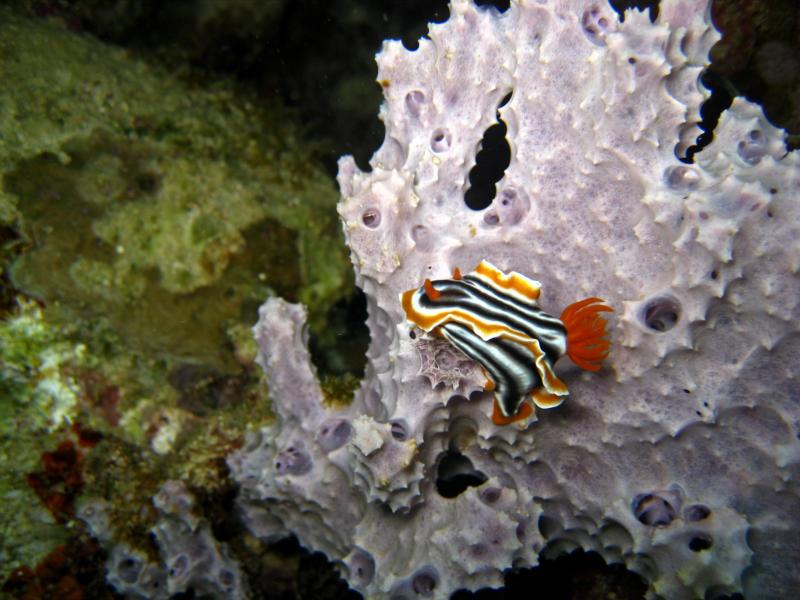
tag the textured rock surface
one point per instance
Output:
(680, 458)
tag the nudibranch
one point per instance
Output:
(494, 318)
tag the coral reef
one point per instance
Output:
(190, 556)
(143, 217)
(679, 459)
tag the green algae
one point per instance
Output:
(28, 532)
(33, 384)
(338, 390)
(133, 187)
(92, 260)
(37, 397)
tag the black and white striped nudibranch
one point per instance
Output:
(494, 319)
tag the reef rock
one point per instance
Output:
(680, 458)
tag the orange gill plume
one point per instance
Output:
(587, 344)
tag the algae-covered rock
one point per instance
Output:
(147, 217)
(146, 200)
(32, 379)
(36, 397)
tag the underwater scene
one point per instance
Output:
(399, 299)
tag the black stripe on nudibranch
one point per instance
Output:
(507, 363)
(488, 305)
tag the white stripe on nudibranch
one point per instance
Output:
(494, 318)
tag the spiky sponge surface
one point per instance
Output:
(680, 457)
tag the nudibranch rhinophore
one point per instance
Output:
(494, 318)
